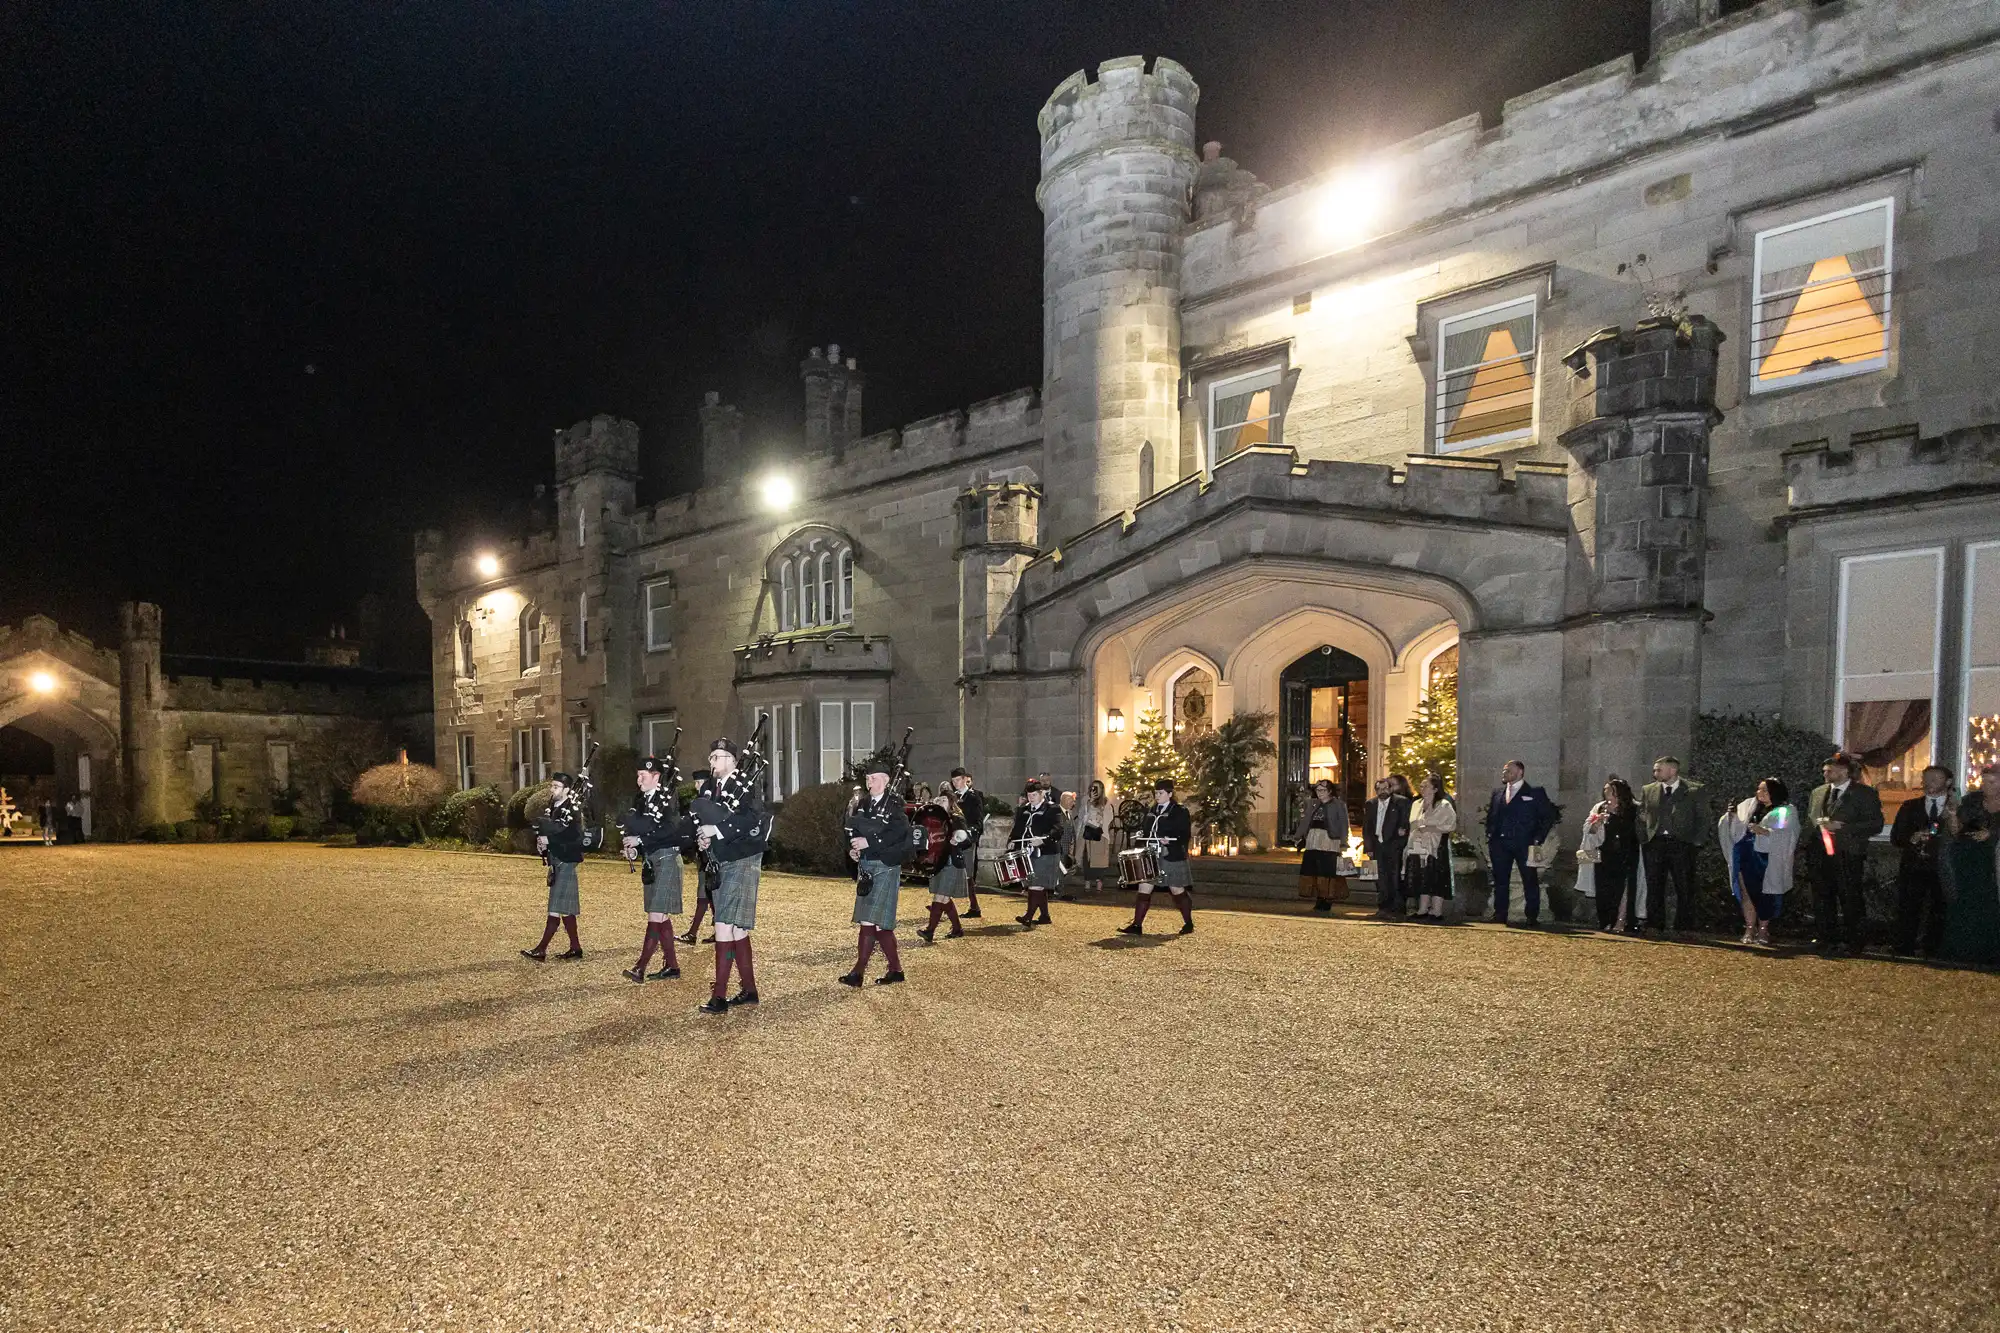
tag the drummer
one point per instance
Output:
(1165, 831)
(952, 877)
(1037, 831)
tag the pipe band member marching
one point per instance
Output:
(1167, 828)
(1038, 832)
(972, 809)
(559, 838)
(653, 831)
(878, 841)
(731, 830)
(954, 878)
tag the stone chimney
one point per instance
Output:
(721, 440)
(833, 401)
(1675, 18)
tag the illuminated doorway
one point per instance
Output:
(1323, 725)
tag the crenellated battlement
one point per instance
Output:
(1892, 465)
(604, 443)
(1126, 103)
(1431, 490)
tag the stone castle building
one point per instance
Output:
(1669, 393)
(144, 737)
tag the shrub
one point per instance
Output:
(280, 827)
(472, 815)
(307, 826)
(383, 826)
(184, 830)
(501, 840)
(398, 794)
(808, 835)
(525, 806)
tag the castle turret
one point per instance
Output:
(1118, 166)
(142, 694)
(833, 401)
(597, 475)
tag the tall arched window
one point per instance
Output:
(826, 602)
(808, 599)
(813, 578)
(846, 587)
(530, 638)
(788, 616)
(1145, 469)
(466, 665)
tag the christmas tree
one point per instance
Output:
(1226, 763)
(1429, 744)
(1153, 756)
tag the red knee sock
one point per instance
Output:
(548, 935)
(665, 930)
(652, 943)
(746, 967)
(950, 910)
(1185, 901)
(937, 910)
(700, 906)
(569, 926)
(889, 954)
(864, 950)
(725, 954)
(1141, 904)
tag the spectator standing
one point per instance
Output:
(1608, 856)
(45, 813)
(1972, 923)
(1844, 813)
(1924, 825)
(1321, 836)
(1759, 836)
(1093, 837)
(1670, 832)
(1427, 860)
(1518, 816)
(1385, 834)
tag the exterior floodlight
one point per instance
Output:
(42, 683)
(777, 491)
(487, 564)
(1352, 203)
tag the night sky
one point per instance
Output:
(284, 283)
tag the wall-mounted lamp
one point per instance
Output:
(488, 564)
(1114, 721)
(42, 682)
(777, 492)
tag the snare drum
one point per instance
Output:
(1015, 868)
(1137, 865)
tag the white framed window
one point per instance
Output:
(860, 730)
(1820, 297)
(545, 757)
(814, 576)
(524, 757)
(826, 593)
(1243, 411)
(832, 741)
(659, 615)
(808, 597)
(468, 777)
(1981, 684)
(773, 782)
(1486, 376)
(788, 613)
(278, 764)
(659, 735)
(1885, 687)
(468, 666)
(582, 742)
(846, 586)
(792, 736)
(529, 634)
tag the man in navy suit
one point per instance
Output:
(1518, 817)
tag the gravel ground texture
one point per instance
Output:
(286, 1087)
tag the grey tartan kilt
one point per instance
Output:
(1046, 873)
(664, 893)
(1177, 874)
(736, 891)
(950, 881)
(877, 907)
(562, 889)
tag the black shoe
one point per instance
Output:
(744, 997)
(686, 936)
(851, 979)
(973, 915)
(956, 932)
(1324, 909)
(1027, 919)
(1043, 920)
(534, 955)
(635, 976)
(713, 1006)
(889, 979)
(1187, 928)
(1133, 929)
(925, 935)
(569, 955)
(709, 940)
(665, 974)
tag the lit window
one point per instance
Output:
(788, 616)
(1887, 685)
(659, 621)
(1821, 300)
(1982, 658)
(846, 586)
(1243, 412)
(1486, 376)
(531, 638)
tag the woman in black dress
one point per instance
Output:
(1618, 855)
(1321, 836)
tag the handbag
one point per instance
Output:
(1590, 856)
(1092, 833)
(1542, 855)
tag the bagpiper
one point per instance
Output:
(878, 841)
(731, 831)
(1038, 825)
(1167, 828)
(559, 838)
(972, 809)
(653, 831)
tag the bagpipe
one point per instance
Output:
(670, 781)
(718, 800)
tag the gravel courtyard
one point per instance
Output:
(286, 1088)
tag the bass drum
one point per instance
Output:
(930, 840)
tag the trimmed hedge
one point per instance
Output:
(807, 836)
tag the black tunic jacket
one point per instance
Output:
(655, 819)
(885, 823)
(1174, 826)
(1045, 823)
(562, 825)
(734, 808)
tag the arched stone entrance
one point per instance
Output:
(62, 691)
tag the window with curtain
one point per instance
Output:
(1820, 298)
(1982, 658)
(1888, 665)
(860, 731)
(529, 636)
(1486, 376)
(1243, 411)
(659, 615)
